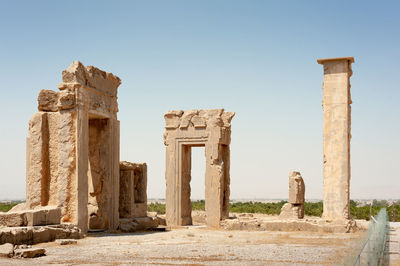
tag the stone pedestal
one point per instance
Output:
(336, 137)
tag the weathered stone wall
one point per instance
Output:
(133, 190)
(73, 149)
(336, 137)
(186, 129)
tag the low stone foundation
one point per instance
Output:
(253, 222)
(41, 216)
(138, 224)
(31, 235)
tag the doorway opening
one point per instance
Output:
(198, 184)
(98, 172)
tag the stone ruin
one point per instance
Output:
(132, 192)
(336, 137)
(194, 128)
(74, 176)
(73, 172)
(295, 207)
(73, 149)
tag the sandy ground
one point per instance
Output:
(196, 245)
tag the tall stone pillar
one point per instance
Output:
(336, 137)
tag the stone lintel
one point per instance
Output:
(323, 60)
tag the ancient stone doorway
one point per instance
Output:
(98, 172)
(73, 149)
(198, 174)
(194, 128)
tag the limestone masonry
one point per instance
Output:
(193, 128)
(336, 141)
(295, 207)
(75, 181)
(73, 149)
(132, 192)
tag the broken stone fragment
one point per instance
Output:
(75, 73)
(101, 80)
(6, 250)
(47, 101)
(39, 216)
(66, 241)
(294, 209)
(66, 100)
(13, 219)
(172, 119)
(30, 252)
(19, 207)
(227, 118)
(296, 188)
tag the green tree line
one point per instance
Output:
(310, 208)
(274, 208)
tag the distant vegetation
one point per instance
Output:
(6, 206)
(310, 208)
(274, 208)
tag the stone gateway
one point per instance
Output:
(193, 128)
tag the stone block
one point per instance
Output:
(296, 188)
(6, 250)
(30, 252)
(47, 101)
(140, 210)
(13, 219)
(66, 241)
(66, 100)
(44, 216)
(38, 234)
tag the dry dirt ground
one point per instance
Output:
(197, 245)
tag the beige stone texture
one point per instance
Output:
(336, 137)
(296, 188)
(38, 234)
(13, 219)
(193, 128)
(43, 216)
(19, 207)
(39, 216)
(73, 149)
(294, 209)
(7, 250)
(63, 242)
(29, 252)
(138, 224)
(133, 190)
(47, 101)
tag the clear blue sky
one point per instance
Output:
(256, 58)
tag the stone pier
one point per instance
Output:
(295, 207)
(336, 137)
